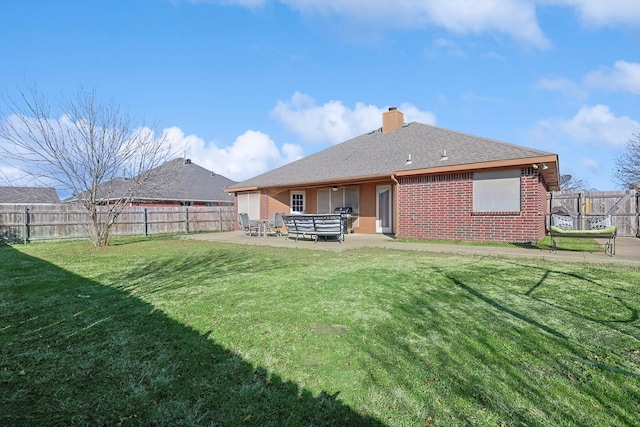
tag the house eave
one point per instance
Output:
(550, 174)
(161, 199)
(240, 189)
(318, 184)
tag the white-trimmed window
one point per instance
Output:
(298, 204)
(496, 191)
(249, 203)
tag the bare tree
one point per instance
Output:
(572, 183)
(85, 152)
(627, 171)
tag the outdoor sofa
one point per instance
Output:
(314, 226)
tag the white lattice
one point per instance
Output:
(564, 222)
(598, 222)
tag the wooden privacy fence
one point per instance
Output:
(24, 223)
(623, 206)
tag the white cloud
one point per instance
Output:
(563, 85)
(413, 114)
(333, 122)
(601, 13)
(624, 76)
(592, 125)
(12, 176)
(251, 154)
(516, 18)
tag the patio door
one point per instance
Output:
(249, 203)
(384, 209)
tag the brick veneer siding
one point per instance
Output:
(441, 207)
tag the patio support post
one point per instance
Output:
(547, 215)
(186, 219)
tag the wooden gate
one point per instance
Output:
(623, 206)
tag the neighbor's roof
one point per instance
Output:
(384, 154)
(179, 180)
(31, 195)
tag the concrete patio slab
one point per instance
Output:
(627, 248)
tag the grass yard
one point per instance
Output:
(563, 243)
(166, 331)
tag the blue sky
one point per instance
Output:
(244, 86)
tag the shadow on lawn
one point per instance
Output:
(75, 352)
(488, 353)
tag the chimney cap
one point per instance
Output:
(393, 108)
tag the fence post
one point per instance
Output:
(637, 213)
(25, 226)
(186, 219)
(144, 219)
(580, 210)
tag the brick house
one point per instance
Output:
(415, 181)
(29, 195)
(179, 182)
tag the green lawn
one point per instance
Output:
(167, 331)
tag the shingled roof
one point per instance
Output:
(413, 148)
(176, 180)
(28, 195)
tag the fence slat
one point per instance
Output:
(20, 222)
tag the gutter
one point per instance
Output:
(239, 189)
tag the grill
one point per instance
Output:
(346, 214)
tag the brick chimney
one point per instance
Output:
(392, 120)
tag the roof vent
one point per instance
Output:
(409, 161)
(187, 161)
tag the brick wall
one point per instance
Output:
(441, 207)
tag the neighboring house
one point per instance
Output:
(179, 182)
(28, 195)
(415, 181)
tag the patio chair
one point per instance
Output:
(248, 227)
(276, 223)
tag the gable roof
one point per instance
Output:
(176, 180)
(378, 154)
(29, 195)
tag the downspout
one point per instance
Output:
(396, 218)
